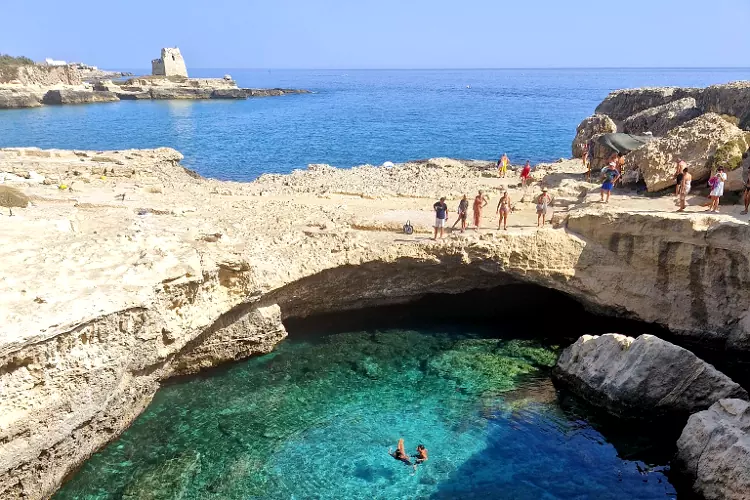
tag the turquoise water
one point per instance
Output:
(315, 419)
(354, 117)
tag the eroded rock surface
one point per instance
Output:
(145, 270)
(642, 377)
(697, 142)
(590, 127)
(78, 97)
(11, 98)
(661, 119)
(714, 449)
(621, 104)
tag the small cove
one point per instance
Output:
(315, 418)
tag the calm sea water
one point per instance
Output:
(354, 117)
(315, 419)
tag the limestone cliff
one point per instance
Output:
(130, 269)
(705, 127)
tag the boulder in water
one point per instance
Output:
(714, 449)
(642, 377)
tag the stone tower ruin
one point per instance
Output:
(171, 63)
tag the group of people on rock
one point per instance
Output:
(481, 200)
(613, 171)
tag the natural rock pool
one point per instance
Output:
(315, 419)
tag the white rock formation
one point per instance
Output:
(646, 376)
(714, 449)
(145, 271)
(696, 142)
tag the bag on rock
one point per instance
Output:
(408, 229)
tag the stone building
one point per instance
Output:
(171, 63)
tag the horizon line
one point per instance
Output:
(472, 69)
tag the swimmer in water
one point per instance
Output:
(400, 453)
(421, 454)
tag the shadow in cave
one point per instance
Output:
(513, 310)
(517, 310)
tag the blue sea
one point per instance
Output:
(353, 117)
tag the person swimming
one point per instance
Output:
(421, 454)
(400, 453)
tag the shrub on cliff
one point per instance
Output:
(9, 66)
(6, 60)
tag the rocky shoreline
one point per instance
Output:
(126, 269)
(21, 96)
(142, 271)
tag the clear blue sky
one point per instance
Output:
(382, 33)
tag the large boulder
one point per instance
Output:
(588, 128)
(714, 449)
(67, 96)
(661, 119)
(643, 377)
(621, 104)
(731, 99)
(19, 98)
(704, 143)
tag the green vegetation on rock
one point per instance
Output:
(6, 60)
(729, 155)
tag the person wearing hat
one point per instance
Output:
(717, 189)
(542, 202)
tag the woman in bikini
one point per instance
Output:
(503, 209)
(400, 453)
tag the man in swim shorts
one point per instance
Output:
(421, 454)
(441, 215)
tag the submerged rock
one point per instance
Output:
(704, 143)
(169, 479)
(588, 128)
(643, 377)
(661, 119)
(714, 449)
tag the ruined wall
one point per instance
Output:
(171, 63)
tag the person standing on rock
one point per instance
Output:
(685, 185)
(463, 212)
(717, 189)
(503, 210)
(480, 201)
(542, 202)
(502, 165)
(525, 173)
(441, 215)
(610, 177)
(746, 181)
(681, 166)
